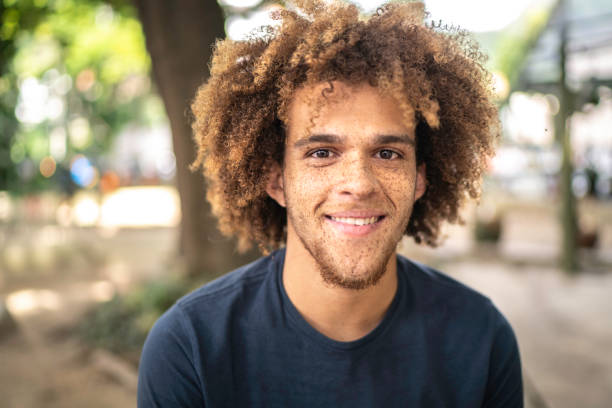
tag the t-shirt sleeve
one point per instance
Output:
(505, 384)
(167, 376)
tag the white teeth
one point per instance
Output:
(355, 221)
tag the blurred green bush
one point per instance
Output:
(121, 324)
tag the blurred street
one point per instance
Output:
(562, 323)
(45, 363)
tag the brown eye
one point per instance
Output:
(387, 154)
(321, 154)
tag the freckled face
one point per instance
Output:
(349, 181)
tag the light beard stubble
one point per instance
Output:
(332, 276)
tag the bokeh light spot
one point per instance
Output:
(86, 209)
(109, 182)
(32, 300)
(47, 166)
(85, 80)
(18, 152)
(83, 172)
(6, 206)
(80, 133)
(57, 143)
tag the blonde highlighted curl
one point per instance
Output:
(435, 73)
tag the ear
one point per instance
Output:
(421, 182)
(274, 185)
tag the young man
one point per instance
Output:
(337, 135)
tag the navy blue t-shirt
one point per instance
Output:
(240, 342)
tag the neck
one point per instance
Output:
(339, 313)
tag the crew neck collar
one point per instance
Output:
(302, 325)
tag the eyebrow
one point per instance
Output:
(331, 139)
(334, 139)
(390, 139)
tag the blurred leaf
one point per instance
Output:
(99, 46)
(514, 45)
(122, 324)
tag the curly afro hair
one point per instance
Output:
(435, 73)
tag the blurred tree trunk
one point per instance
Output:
(8, 326)
(569, 216)
(179, 37)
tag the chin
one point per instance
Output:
(350, 275)
(350, 264)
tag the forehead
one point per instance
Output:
(339, 108)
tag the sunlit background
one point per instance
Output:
(90, 211)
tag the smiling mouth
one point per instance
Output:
(356, 221)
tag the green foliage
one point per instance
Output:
(514, 45)
(121, 324)
(86, 65)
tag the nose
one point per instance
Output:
(357, 178)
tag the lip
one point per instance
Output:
(354, 230)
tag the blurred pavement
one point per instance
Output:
(563, 324)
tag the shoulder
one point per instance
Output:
(435, 285)
(453, 310)
(198, 321)
(230, 287)
(437, 294)
(209, 308)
